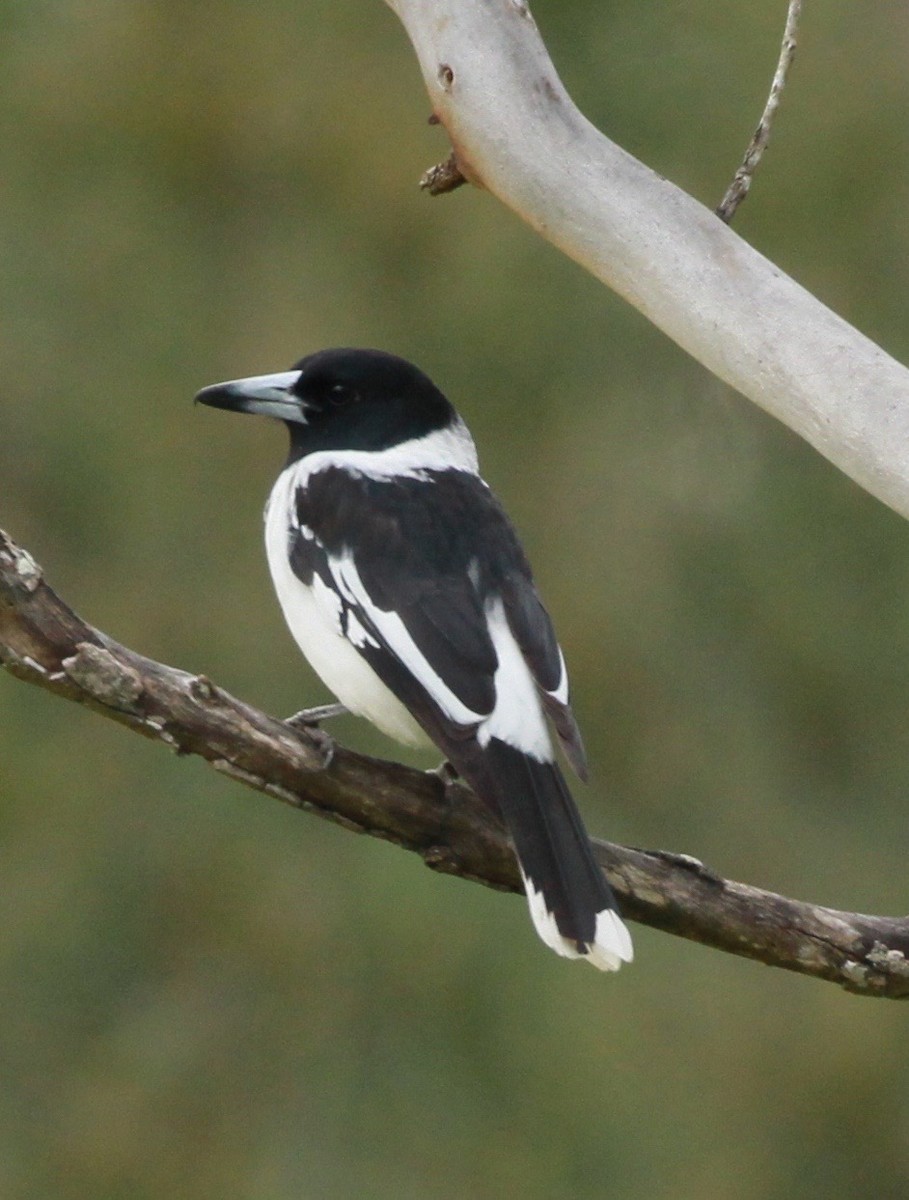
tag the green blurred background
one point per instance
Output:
(205, 994)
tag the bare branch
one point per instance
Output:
(515, 129)
(741, 182)
(44, 642)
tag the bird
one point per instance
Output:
(404, 584)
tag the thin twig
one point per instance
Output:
(741, 182)
(42, 641)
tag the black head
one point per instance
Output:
(341, 400)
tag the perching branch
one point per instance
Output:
(741, 182)
(515, 130)
(44, 642)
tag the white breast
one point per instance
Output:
(313, 617)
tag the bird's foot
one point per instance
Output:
(308, 718)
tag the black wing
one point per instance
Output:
(420, 575)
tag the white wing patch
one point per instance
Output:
(357, 634)
(394, 633)
(609, 949)
(560, 692)
(313, 615)
(518, 715)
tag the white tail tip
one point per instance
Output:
(609, 949)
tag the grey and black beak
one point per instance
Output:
(262, 395)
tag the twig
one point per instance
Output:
(741, 183)
(443, 177)
(42, 641)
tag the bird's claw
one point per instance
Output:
(308, 718)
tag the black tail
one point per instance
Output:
(572, 905)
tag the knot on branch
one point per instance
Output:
(96, 671)
(885, 972)
(442, 859)
(18, 566)
(202, 689)
(443, 177)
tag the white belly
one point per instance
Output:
(313, 617)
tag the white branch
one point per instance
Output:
(516, 131)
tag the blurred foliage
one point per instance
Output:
(205, 994)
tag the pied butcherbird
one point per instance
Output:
(404, 584)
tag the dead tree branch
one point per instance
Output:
(741, 182)
(42, 641)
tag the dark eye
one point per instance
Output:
(340, 393)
